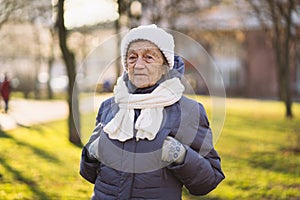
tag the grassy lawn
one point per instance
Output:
(255, 147)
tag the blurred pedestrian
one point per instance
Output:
(5, 92)
(149, 139)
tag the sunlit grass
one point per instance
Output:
(255, 147)
(40, 163)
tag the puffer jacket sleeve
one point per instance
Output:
(201, 170)
(89, 166)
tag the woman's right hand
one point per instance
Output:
(93, 149)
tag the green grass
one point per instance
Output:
(40, 163)
(255, 147)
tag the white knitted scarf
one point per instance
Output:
(151, 105)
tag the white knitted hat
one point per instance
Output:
(163, 40)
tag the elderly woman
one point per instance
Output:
(149, 139)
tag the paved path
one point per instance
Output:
(28, 112)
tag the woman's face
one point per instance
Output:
(144, 63)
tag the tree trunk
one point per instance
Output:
(73, 120)
(286, 91)
(49, 89)
(50, 61)
(287, 44)
(281, 42)
(118, 63)
(283, 76)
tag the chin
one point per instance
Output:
(143, 85)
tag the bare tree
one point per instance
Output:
(122, 10)
(36, 13)
(276, 19)
(164, 13)
(69, 58)
(39, 12)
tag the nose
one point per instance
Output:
(140, 63)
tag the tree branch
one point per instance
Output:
(259, 14)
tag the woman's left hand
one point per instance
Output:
(173, 151)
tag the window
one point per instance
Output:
(229, 67)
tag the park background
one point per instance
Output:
(254, 44)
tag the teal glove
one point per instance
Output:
(173, 151)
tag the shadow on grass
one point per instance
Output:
(275, 161)
(44, 126)
(32, 185)
(18, 177)
(3, 134)
(41, 127)
(37, 151)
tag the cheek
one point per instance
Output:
(157, 74)
(130, 73)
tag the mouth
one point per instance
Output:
(138, 74)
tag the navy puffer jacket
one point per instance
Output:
(200, 172)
